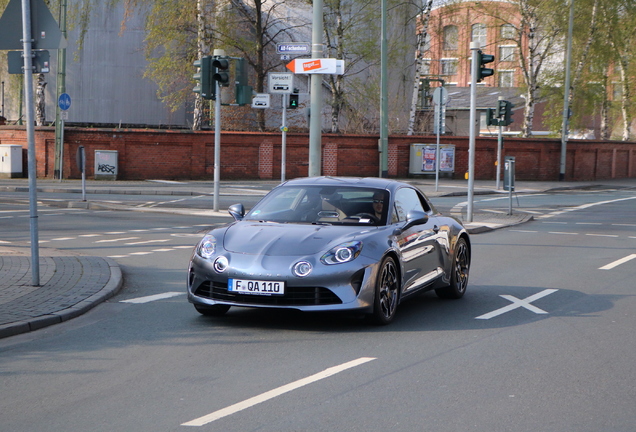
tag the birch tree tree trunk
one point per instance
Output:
(205, 9)
(424, 19)
(40, 101)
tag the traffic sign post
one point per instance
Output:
(440, 95)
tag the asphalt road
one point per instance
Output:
(543, 340)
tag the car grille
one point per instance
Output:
(294, 296)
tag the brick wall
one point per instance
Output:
(159, 154)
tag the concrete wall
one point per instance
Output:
(160, 154)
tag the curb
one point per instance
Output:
(111, 288)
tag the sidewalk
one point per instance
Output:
(71, 284)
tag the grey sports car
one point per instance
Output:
(331, 244)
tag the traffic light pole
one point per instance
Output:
(499, 149)
(217, 145)
(475, 65)
(283, 148)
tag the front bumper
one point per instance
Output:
(342, 287)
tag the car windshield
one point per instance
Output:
(322, 205)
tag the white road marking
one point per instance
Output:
(116, 240)
(115, 232)
(148, 299)
(90, 235)
(183, 247)
(117, 256)
(5, 242)
(517, 303)
(232, 409)
(147, 241)
(63, 238)
(602, 235)
(618, 262)
(140, 253)
(163, 250)
(562, 233)
(588, 223)
(584, 206)
(524, 231)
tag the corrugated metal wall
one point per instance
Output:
(105, 80)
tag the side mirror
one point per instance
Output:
(414, 217)
(237, 211)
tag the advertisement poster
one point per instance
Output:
(446, 156)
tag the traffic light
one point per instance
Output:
(484, 72)
(205, 86)
(505, 112)
(242, 92)
(491, 117)
(293, 99)
(221, 74)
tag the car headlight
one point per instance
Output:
(302, 269)
(207, 246)
(342, 253)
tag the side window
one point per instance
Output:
(407, 199)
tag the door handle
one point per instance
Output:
(435, 229)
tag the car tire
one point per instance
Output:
(459, 273)
(387, 293)
(215, 310)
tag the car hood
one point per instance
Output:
(276, 239)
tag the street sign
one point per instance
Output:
(293, 48)
(261, 100)
(64, 101)
(440, 95)
(40, 62)
(314, 66)
(280, 82)
(45, 32)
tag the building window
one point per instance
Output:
(478, 34)
(507, 53)
(508, 31)
(448, 66)
(451, 36)
(426, 66)
(506, 78)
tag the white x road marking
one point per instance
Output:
(517, 303)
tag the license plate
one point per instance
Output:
(258, 287)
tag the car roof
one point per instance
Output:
(369, 182)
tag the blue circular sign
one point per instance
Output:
(64, 102)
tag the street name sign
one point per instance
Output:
(293, 48)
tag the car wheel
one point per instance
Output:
(215, 310)
(387, 290)
(459, 273)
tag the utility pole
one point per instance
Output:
(566, 97)
(30, 128)
(61, 88)
(384, 96)
(315, 105)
